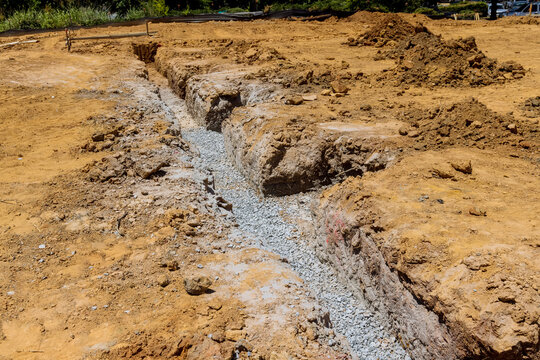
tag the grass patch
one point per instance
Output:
(41, 19)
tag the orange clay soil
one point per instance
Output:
(101, 225)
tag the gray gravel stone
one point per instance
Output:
(261, 219)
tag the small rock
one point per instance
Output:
(251, 53)
(403, 131)
(525, 144)
(507, 298)
(163, 281)
(295, 100)
(222, 203)
(312, 97)
(98, 137)
(339, 88)
(326, 92)
(197, 285)
(407, 64)
(149, 169)
(442, 173)
(235, 335)
(476, 211)
(41, 246)
(414, 133)
(366, 107)
(172, 265)
(464, 167)
(513, 128)
(476, 124)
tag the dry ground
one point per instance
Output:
(461, 246)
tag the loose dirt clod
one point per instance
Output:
(464, 167)
(197, 285)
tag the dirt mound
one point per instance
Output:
(248, 51)
(387, 30)
(527, 20)
(469, 123)
(532, 107)
(364, 17)
(425, 58)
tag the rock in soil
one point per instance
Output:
(197, 285)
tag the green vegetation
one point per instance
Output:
(41, 19)
(47, 14)
(467, 8)
(462, 8)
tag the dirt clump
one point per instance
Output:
(388, 30)
(470, 123)
(426, 59)
(197, 285)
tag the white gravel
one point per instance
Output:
(261, 219)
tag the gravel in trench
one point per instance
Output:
(261, 219)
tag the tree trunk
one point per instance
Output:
(493, 15)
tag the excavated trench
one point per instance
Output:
(281, 225)
(270, 161)
(367, 302)
(255, 147)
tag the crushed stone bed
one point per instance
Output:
(261, 218)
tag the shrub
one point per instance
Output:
(467, 8)
(52, 19)
(426, 11)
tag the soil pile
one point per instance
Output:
(387, 31)
(248, 51)
(425, 58)
(363, 17)
(526, 20)
(469, 123)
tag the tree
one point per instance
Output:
(493, 15)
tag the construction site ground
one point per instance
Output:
(416, 147)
